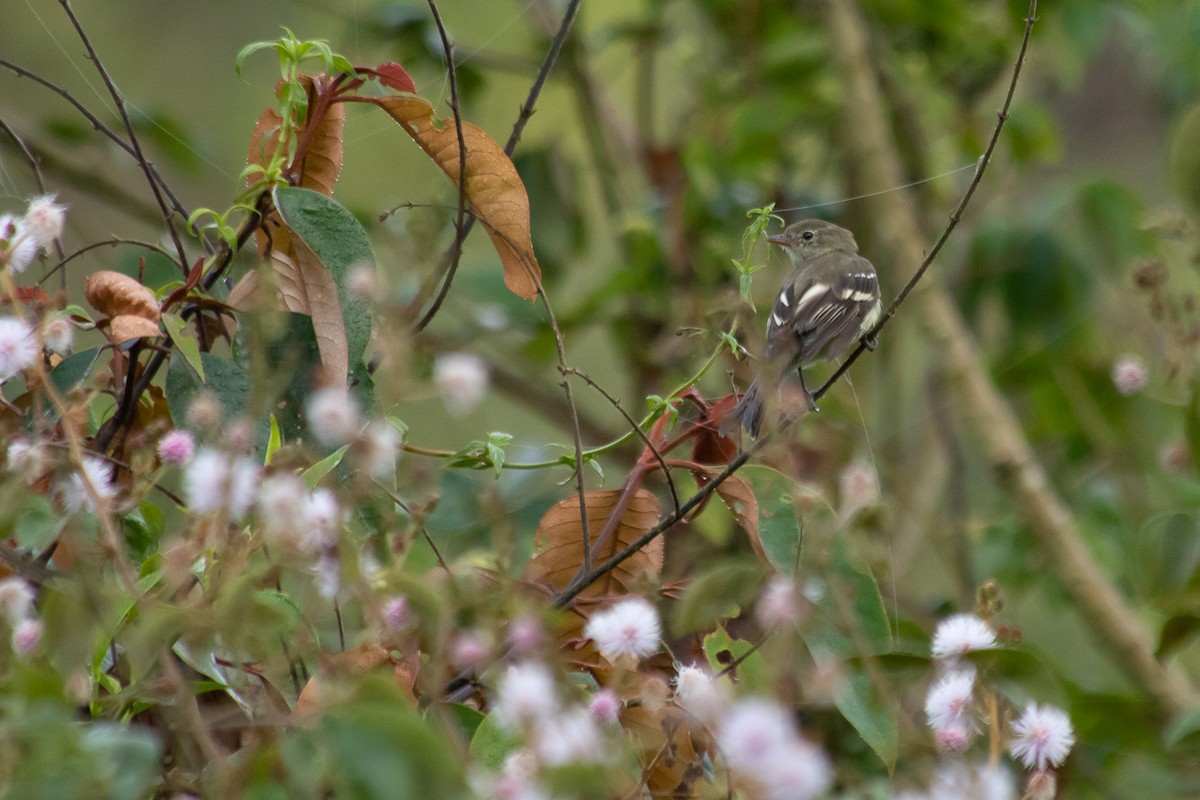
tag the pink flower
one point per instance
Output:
(525, 633)
(605, 706)
(1129, 375)
(469, 650)
(19, 349)
(395, 612)
(1042, 737)
(176, 447)
(26, 635)
(629, 630)
(961, 634)
(569, 737)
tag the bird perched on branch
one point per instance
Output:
(828, 301)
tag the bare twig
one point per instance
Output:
(955, 216)
(463, 228)
(113, 242)
(151, 176)
(637, 429)
(461, 224)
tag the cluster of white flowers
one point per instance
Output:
(334, 418)
(554, 733)
(216, 481)
(16, 606)
(1040, 739)
(626, 632)
(22, 237)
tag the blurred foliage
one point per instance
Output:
(661, 125)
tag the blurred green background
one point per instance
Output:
(661, 125)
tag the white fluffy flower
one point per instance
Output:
(760, 744)
(961, 634)
(281, 505)
(379, 444)
(754, 733)
(569, 737)
(322, 522)
(462, 380)
(58, 334)
(215, 480)
(949, 699)
(1042, 737)
(17, 246)
(629, 630)
(780, 603)
(699, 695)
(329, 576)
(525, 696)
(176, 447)
(1129, 375)
(19, 347)
(332, 416)
(97, 475)
(605, 707)
(44, 219)
(28, 459)
(802, 772)
(956, 780)
(16, 599)
(858, 488)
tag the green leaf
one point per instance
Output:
(188, 346)
(780, 527)
(870, 615)
(1185, 726)
(274, 441)
(491, 744)
(313, 476)
(751, 673)
(338, 240)
(875, 722)
(38, 524)
(73, 370)
(720, 591)
(228, 380)
(127, 759)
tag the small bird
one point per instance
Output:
(828, 301)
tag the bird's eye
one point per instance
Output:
(807, 236)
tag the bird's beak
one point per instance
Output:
(778, 238)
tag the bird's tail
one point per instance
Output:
(748, 412)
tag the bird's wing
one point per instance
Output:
(813, 318)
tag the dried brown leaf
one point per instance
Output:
(114, 294)
(493, 187)
(739, 498)
(322, 158)
(669, 761)
(124, 327)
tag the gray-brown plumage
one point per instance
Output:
(828, 301)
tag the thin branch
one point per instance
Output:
(113, 242)
(955, 216)
(36, 168)
(461, 224)
(637, 430)
(152, 177)
(463, 229)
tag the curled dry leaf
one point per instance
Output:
(124, 327)
(740, 499)
(114, 294)
(493, 187)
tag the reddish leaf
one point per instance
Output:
(393, 76)
(322, 158)
(710, 447)
(740, 500)
(493, 187)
